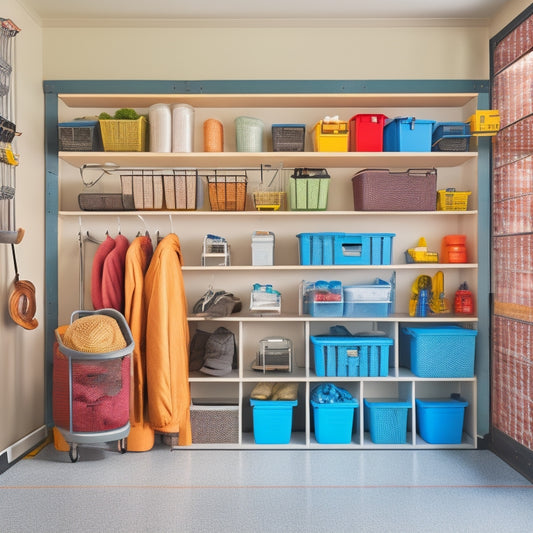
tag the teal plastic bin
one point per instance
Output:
(272, 420)
(334, 422)
(440, 421)
(438, 352)
(387, 421)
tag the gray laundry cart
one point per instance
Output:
(91, 395)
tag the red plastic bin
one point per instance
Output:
(366, 132)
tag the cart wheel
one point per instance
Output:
(122, 447)
(73, 453)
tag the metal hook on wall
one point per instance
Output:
(171, 224)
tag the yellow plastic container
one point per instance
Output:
(485, 122)
(124, 135)
(448, 200)
(330, 136)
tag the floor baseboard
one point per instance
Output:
(513, 453)
(20, 448)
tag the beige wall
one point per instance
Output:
(341, 51)
(512, 9)
(22, 351)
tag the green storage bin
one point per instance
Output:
(308, 189)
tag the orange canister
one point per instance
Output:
(454, 249)
(213, 135)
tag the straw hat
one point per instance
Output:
(94, 334)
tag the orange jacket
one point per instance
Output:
(167, 342)
(137, 260)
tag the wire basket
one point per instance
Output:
(79, 136)
(5, 77)
(270, 200)
(142, 190)
(227, 192)
(123, 135)
(452, 200)
(180, 189)
(451, 137)
(7, 130)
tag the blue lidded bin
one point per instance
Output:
(408, 134)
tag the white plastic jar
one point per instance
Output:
(160, 119)
(182, 127)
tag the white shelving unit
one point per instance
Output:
(457, 169)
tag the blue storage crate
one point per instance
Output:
(316, 248)
(440, 421)
(351, 356)
(345, 248)
(334, 422)
(272, 420)
(450, 137)
(438, 352)
(408, 134)
(387, 421)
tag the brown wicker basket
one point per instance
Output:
(383, 190)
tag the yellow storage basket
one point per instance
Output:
(452, 200)
(124, 135)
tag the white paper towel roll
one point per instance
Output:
(160, 119)
(182, 128)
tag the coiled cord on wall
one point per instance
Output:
(22, 304)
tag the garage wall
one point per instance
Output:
(22, 351)
(512, 9)
(341, 50)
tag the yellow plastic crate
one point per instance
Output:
(449, 200)
(330, 136)
(485, 123)
(124, 135)
(423, 256)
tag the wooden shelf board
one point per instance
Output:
(166, 213)
(298, 100)
(210, 160)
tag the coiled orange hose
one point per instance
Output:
(22, 305)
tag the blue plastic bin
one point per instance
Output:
(272, 420)
(387, 421)
(345, 248)
(334, 422)
(370, 300)
(351, 356)
(440, 421)
(438, 352)
(408, 134)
